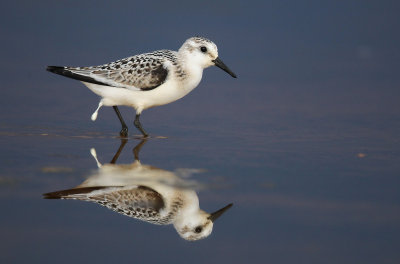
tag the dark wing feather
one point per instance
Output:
(71, 192)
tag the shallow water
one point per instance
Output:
(313, 195)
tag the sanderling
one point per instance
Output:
(147, 80)
(146, 193)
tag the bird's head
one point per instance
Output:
(203, 52)
(198, 225)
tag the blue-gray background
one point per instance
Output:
(305, 141)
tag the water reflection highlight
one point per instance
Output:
(146, 193)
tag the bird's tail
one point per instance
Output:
(57, 69)
(64, 71)
(74, 73)
(74, 193)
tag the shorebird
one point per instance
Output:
(147, 80)
(146, 193)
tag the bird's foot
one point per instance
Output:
(124, 132)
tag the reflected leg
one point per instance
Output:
(121, 146)
(138, 147)
(124, 130)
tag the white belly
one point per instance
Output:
(140, 100)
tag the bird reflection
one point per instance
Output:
(146, 193)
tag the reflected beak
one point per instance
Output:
(218, 62)
(215, 215)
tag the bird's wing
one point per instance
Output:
(141, 72)
(136, 201)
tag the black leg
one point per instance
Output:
(124, 130)
(139, 126)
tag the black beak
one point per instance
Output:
(215, 215)
(218, 62)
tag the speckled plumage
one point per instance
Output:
(140, 72)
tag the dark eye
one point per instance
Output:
(203, 49)
(198, 229)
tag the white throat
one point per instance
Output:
(193, 70)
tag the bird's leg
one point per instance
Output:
(124, 130)
(138, 125)
(138, 147)
(121, 146)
